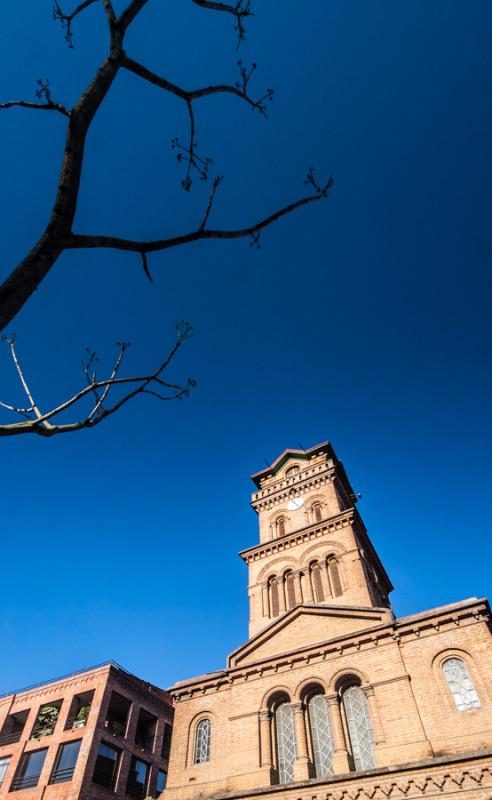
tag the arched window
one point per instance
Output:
(316, 511)
(280, 526)
(290, 590)
(289, 473)
(359, 727)
(319, 594)
(274, 598)
(202, 741)
(460, 684)
(286, 742)
(321, 736)
(336, 583)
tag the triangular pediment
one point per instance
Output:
(306, 626)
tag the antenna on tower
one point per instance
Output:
(302, 448)
(267, 463)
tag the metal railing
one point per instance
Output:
(113, 726)
(11, 738)
(24, 783)
(61, 775)
(74, 722)
(102, 778)
(136, 790)
(41, 730)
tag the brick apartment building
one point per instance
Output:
(92, 735)
(332, 697)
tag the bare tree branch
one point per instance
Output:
(67, 19)
(241, 10)
(43, 425)
(118, 243)
(59, 235)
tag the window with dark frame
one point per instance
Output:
(136, 785)
(4, 764)
(106, 766)
(29, 770)
(66, 760)
(161, 782)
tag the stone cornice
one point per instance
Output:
(278, 491)
(434, 776)
(314, 531)
(425, 624)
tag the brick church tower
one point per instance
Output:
(331, 697)
(313, 546)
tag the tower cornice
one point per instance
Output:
(313, 531)
(280, 490)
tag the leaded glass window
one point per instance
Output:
(274, 599)
(336, 583)
(202, 741)
(359, 727)
(286, 742)
(317, 583)
(460, 684)
(290, 590)
(321, 737)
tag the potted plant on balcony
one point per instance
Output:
(47, 720)
(81, 716)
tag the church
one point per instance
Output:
(332, 697)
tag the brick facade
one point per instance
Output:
(97, 688)
(321, 625)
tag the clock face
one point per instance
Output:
(295, 503)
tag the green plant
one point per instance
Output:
(83, 713)
(47, 717)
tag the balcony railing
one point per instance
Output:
(103, 778)
(41, 730)
(113, 726)
(73, 722)
(24, 783)
(136, 791)
(10, 738)
(62, 775)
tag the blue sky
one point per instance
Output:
(364, 319)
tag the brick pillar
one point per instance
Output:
(264, 592)
(326, 579)
(306, 587)
(377, 725)
(301, 766)
(340, 752)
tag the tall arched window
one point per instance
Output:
(460, 684)
(321, 736)
(336, 583)
(319, 594)
(290, 590)
(316, 511)
(274, 598)
(286, 742)
(359, 727)
(280, 526)
(289, 473)
(202, 741)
